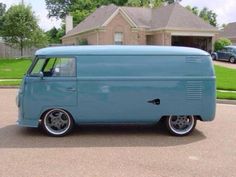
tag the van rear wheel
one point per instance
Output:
(180, 125)
(57, 122)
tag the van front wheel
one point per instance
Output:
(180, 125)
(57, 122)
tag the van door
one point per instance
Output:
(110, 89)
(51, 83)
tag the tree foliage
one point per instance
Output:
(54, 35)
(145, 3)
(206, 14)
(2, 12)
(2, 8)
(20, 28)
(221, 43)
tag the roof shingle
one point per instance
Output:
(229, 31)
(173, 16)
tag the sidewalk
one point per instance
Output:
(8, 80)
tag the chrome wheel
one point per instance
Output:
(213, 56)
(181, 125)
(232, 60)
(57, 122)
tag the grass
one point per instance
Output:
(225, 78)
(13, 69)
(10, 83)
(226, 95)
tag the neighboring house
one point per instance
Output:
(229, 32)
(167, 25)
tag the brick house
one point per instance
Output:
(229, 32)
(167, 25)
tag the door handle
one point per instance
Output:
(71, 89)
(155, 101)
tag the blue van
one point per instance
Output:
(71, 85)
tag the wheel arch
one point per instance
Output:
(45, 111)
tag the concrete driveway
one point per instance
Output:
(117, 151)
(225, 64)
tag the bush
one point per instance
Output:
(83, 42)
(221, 43)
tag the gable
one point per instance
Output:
(120, 11)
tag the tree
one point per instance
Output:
(221, 43)
(2, 9)
(194, 10)
(54, 35)
(172, 1)
(2, 12)
(209, 16)
(149, 3)
(20, 28)
(206, 14)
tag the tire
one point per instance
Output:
(232, 60)
(213, 56)
(57, 122)
(180, 125)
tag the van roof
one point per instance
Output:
(118, 50)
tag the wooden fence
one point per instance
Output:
(7, 51)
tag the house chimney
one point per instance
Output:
(69, 23)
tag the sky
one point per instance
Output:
(225, 10)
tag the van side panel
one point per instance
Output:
(116, 89)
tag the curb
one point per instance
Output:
(232, 102)
(9, 87)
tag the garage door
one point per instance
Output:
(204, 43)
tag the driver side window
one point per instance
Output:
(55, 67)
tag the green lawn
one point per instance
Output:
(225, 78)
(13, 68)
(10, 83)
(226, 95)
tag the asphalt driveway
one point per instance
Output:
(117, 151)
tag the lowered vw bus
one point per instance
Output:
(71, 85)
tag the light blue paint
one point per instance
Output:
(114, 83)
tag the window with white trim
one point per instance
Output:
(118, 38)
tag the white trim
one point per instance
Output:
(85, 31)
(123, 13)
(186, 33)
(129, 19)
(183, 29)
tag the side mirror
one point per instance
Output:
(41, 75)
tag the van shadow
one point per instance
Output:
(13, 136)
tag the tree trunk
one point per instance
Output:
(21, 48)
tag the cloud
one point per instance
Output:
(225, 10)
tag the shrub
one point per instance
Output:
(221, 43)
(83, 42)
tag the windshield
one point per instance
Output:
(54, 67)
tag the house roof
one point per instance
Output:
(95, 20)
(229, 31)
(173, 16)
